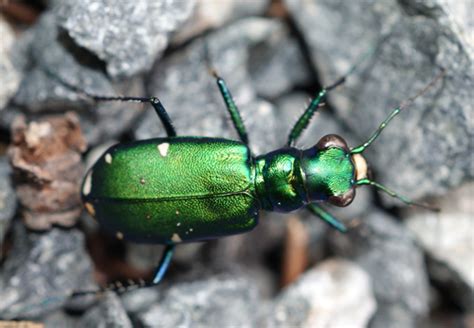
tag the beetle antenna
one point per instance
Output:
(396, 195)
(354, 67)
(395, 112)
(208, 61)
(368, 54)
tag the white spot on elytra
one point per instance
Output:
(86, 188)
(108, 158)
(178, 224)
(119, 235)
(176, 238)
(163, 148)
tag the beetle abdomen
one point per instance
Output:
(173, 189)
(187, 219)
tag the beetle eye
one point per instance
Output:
(344, 199)
(332, 141)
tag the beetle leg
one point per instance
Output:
(119, 288)
(327, 217)
(303, 121)
(164, 263)
(163, 115)
(155, 102)
(231, 108)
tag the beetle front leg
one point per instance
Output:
(304, 120)
(327, 217)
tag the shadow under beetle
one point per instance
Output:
(183, 189)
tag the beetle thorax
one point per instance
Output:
(279, 180)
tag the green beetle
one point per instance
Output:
(181, 189)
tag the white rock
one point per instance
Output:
(448, 236)
(9, 76)
(337, 293)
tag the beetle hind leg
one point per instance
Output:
(163, 264)
(153, 101)
(121, 288)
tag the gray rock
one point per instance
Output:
(140, 300)
(41, 271)
(393, 316)
(143, 256)
(447, 239)
(336, 293)
(9, 76)
(189, 92)
(108, 313)
(427, 149)
(216, 302)
(59, 319)
(7, 197)
(395, 263)
(214, 14)
(457, 13)
(244, 255)
(277, 65)
(128, 36)
(44, 51)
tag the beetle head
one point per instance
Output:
(329, 171)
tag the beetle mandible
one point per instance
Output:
(182, 189)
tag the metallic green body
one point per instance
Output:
(179, 189)
(190, 189)
(293, 178)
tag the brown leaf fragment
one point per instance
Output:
(295, 256)
(20, 324)
(46, 160)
